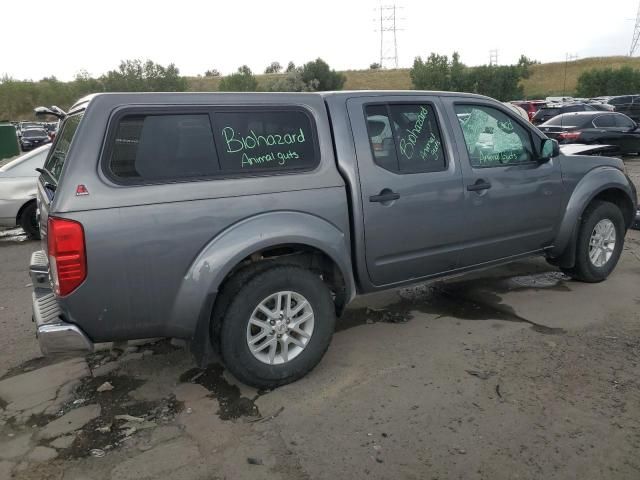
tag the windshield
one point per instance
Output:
(34, 133)
(60, 149)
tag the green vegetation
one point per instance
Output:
(607, 81)
(18, 98)
(241, 81)
(500, 82)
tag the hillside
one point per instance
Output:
(546, 79)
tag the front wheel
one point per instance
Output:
(600, 242)
(277, 327)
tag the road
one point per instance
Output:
(514, 372)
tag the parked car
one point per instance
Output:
(33, 137)
(18, 191)
(521, 112)
(245, 223)
(598, 128)
(602, 107)
(22, 126)
(530, 106)
(627, 104)
(553, 110)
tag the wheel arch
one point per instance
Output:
(601, 184)
(23, 208)
(283, 236)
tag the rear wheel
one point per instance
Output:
(600, 242)
(277, 327)
(29, 221)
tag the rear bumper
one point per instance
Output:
(54, 335)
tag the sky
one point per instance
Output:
(201, 35)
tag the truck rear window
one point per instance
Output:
(58, 154)
(165, 147)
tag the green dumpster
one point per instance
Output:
(9, 146)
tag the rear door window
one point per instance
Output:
(604, 121)
(59, 151)
(405, 138)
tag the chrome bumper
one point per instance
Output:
(54, 335)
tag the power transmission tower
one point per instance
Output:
(636, 34)
(493, 57)
(389, 24)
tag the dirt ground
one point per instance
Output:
(511, 373)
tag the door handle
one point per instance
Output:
(385, 196)
(479, 185)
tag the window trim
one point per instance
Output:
(387, 105)
(210, 110)
(527, 129)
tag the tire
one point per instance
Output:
(599, 214)
(244, 322)
(29, 222)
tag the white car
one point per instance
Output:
(18, 191)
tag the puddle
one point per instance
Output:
(232, 404)
(13, 235)
(475, 299)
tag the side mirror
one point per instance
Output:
(550, 149)
(53, 110)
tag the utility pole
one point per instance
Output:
(567, 58)
(493, 57)
(636, 34)
(389, 42)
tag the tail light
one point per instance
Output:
(571, 136)
(67, 256)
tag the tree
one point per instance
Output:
(290, 67)
(274, 67)
(136, 76)
(241, 81)
(375, 66)
(607, 81)
(320, 72)
(457, 74)
(291, 82)
(434, 74)
(212, 73)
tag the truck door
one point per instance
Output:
(513, 200)
(411, 187)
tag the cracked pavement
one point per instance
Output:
(514, 372)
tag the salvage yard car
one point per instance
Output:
(600, 128)
(245, 223)
(18, 191)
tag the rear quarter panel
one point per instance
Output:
(143, 242)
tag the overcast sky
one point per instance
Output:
(199, 35)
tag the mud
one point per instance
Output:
(232, 404)
(112, 403)
(475, 299)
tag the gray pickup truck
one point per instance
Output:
(245, 223)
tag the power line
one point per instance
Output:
(493, 57)
(388, 28)
(636, 34)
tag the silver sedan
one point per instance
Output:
(18, 191)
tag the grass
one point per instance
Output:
(546, 79)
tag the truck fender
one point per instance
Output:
(217, 259)
(589, 187)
